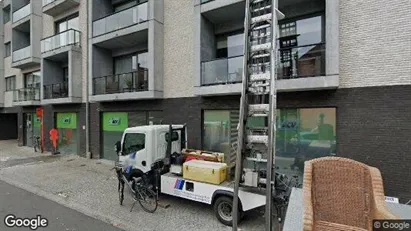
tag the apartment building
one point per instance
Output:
(344, 76)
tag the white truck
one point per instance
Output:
(140, 147)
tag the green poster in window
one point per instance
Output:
(115, 121)
(36, 121)
(67, 120)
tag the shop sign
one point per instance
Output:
(115, 121)
(67, 120)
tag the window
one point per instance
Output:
(302, 134)
(230, 45)
(133, 142)
(71, 22)
(32, 80)
(309, 31)
(127, 4)
(6, 14)
(7, 49)
(10, 83)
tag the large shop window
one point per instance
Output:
(114, 124)
(68, 133)
(302, 134)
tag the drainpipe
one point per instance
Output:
(88, 153)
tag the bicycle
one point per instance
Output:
(36, 144)
(140, 189)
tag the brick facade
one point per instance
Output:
(373, 124)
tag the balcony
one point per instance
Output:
(55, 91)
(121, 83)
(57, 7)
(221, 76)
(127, 86)
(26, 97)
(23, 53)
(121, 20)
(60, 42)
(22, 13)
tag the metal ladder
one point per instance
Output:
(258, 97)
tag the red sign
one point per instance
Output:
(54, 136)
(39, 112)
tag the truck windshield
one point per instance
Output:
(134, 142)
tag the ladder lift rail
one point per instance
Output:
(258, 99)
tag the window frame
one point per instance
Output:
(7, 49)
(5, 9)
(65, 20)
(9, 78)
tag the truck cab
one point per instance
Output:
(141, 146)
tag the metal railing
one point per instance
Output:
(21, 54)
(121, 19)
(22, 12)
(222, 71)
(55, 91)
(69, 37)
(121, 83)
(26, 94)
(301, 61)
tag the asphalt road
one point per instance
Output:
(24, 204)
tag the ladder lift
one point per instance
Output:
(258, 99)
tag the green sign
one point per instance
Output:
(67, 120)
(115, 121)
(36, 121)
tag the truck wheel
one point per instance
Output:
(223, 207)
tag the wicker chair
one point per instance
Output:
(342, 194)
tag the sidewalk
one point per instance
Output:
(90, 187)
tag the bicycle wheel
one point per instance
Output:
(147, 199)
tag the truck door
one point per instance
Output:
(134, 152)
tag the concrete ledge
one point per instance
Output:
(60, 50)
(283, 85)
(28, 62)
(223, 89)
(21, 21)
(205, 7)
(127, 96)
(121, 32)
(308, 84)
(27, 103)
(61, 100)
(59, 6)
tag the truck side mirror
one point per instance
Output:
(118, 147)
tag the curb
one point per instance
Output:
(70, 204)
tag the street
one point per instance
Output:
(24, 204)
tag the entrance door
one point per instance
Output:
(28, 129)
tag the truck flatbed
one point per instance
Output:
(174, 185)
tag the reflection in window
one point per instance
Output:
(134, 142)
(302, 134)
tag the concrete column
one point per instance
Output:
(197, 46)
(332, 14)
(155, 56)
(2, 87)
(75, 70)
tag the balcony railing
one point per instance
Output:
(222, 71)
(121, 19)
(26, 94)
(302, 61)
(120, 83)
(22, 12)
(69, 37)
(21, 54)
(55, 91)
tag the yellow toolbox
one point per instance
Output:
(205, 171)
